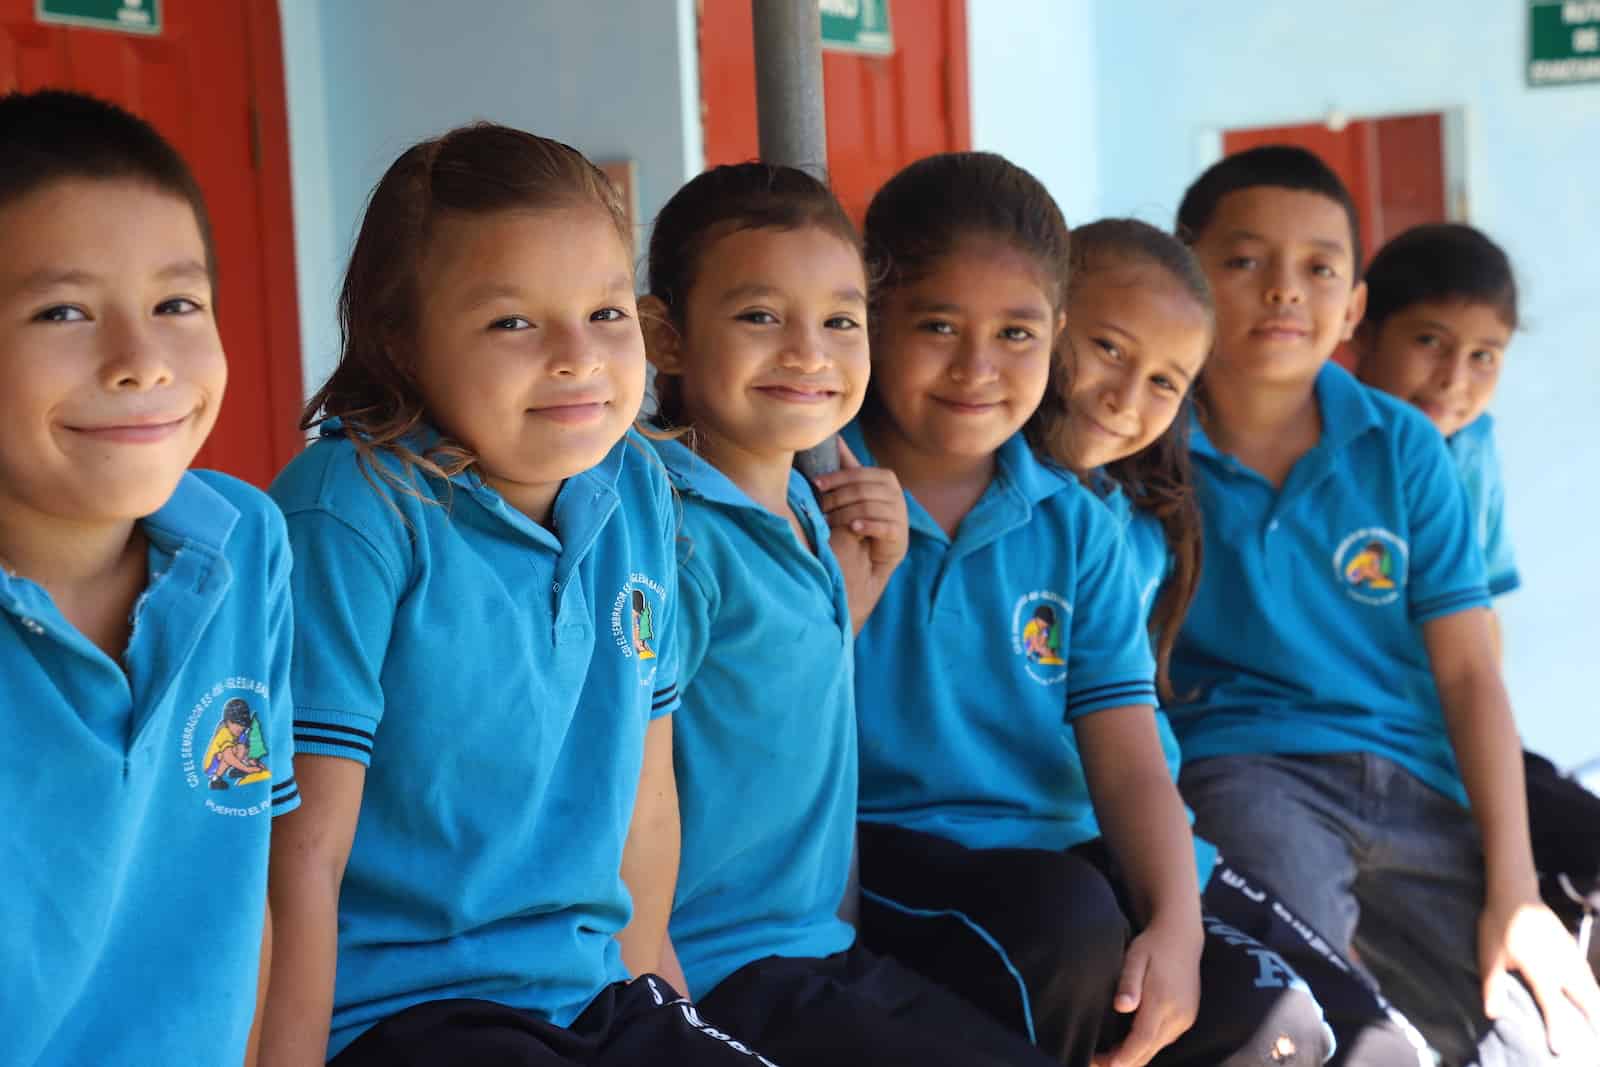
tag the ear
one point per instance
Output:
(663, 345)
(1061, 324)
(1354, 311)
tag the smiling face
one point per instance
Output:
(1139, 339)
(528, 348)
(771, 353)
(1444, 357)
(961, 356)
(1281, 270)
(113, 367)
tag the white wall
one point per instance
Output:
(1034, 89)
(367, 78)
(1172, 74)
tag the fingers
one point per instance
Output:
(847, 458)
(1494, 988)
(1130, 987)
(869, 510)
(1147, 1038)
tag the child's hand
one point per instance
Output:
(1525, 936)
(1161, 982)
(867, 511)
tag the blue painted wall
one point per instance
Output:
(1173, 73)
(367, 78)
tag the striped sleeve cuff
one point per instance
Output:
(664, 702)
(285, 796)
(321, 732)
(1110, 695)
(1501, 584)
(1449, 603)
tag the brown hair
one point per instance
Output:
(473, 170)
(1158, 478)
(721, 201)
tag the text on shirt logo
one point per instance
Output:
(1370, 564)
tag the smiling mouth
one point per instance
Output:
(137, 432)
(1281, 331)
(575, 412)
(968, 407)
(791, 394)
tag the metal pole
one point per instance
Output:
(789, 108)
(792, 123)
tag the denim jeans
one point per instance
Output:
(1380, 863)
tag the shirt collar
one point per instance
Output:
(692, 475)
(1346, 406)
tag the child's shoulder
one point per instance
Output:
(1399, 422)
(359, 485)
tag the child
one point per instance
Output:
(1005, 694)
(757, 328)
(146, 609)
(1441, 310)
(1139, 328)
(1341, 700)
(483, 702)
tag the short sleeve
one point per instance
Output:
(280, 654)
(1498, 557)
(1109, 663)
(1445, 572)
(345, 597)
(667, 696)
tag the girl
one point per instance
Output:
(973, 786)
(483, 702)
(1139, 327)
(757, 328)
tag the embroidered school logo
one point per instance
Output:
(1038, 635)
(1371, 565)
(634, 615)
(224, 745)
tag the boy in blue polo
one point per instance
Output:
(1346, 734)
(144, 613)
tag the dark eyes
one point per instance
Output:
(178, 305)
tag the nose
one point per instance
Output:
(570, 354)
(1282, 286)
(802, 349)
(135, 360)
(1452, 372)
(1119, 392)
(973, 364)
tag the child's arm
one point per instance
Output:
(263, 975)
(310, 847)
(650, 861)
(866, 509)
(1516, 932)
(1144, 822)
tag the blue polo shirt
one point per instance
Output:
(765, 742)
(141, 794)
(496, 679)
(984, 649)
(1146, 544)
(1478, 463)
(1305, 636)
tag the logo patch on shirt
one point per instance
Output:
(1039, 635)
(1371, 565)
(224, 744)
(634, 620)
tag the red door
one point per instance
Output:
(1393, 167)
(882, 111)
(212, 83)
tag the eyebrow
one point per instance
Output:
(1026, 314)
(52, 278)
(500, 290)
(760, 290)
(1440, 327)
(1324, 243)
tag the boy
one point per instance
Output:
(1346, 734)
(143, 610)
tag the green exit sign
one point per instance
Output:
(127, 16)
(856, 26)
(1563, 42)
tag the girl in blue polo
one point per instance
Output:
(757, 328)
(486, 595)
(1117, 413)
(1007, 716)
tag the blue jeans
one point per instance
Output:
(1379, 863)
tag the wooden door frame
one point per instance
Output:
(280, 300)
